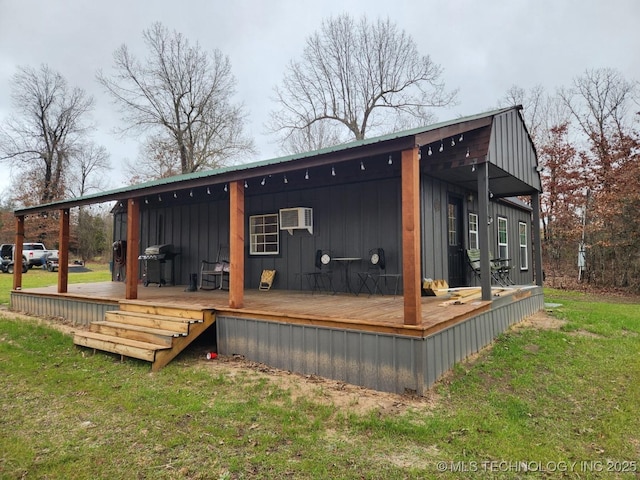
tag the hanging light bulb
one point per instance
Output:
(333, 172)
(285, 179)
(264, 180)
(208, 191)
(226, 187)
(467, 154)
(429, 152)
(461, 137)
(306, 174)
(361, 165)
(453, 142)
(473, 168)
(175, 195)
(191, 192)
(441, 146)
(390, 162)
(159, 198)
(246, 185)
(146, 201)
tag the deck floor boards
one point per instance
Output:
(376, 312)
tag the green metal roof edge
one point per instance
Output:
(185, 177)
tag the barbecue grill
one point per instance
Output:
(158, 264)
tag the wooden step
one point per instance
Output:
(163, 310)
(143, 319)
(123, 346)
(136, 332)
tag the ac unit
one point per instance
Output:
(296, 219)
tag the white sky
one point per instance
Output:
(485, 46)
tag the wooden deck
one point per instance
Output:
(382, 314)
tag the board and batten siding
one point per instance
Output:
(510, 148)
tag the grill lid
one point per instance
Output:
(158, 249)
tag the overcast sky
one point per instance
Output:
(485, 46)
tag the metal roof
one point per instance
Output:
(390, 142)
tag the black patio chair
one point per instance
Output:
(377, 271)
(473, 259)
(321, 278)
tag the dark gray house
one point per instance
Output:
(424, 196)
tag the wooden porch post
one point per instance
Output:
(483, 230)
(132, 268)
(17, 253)
(63, 251)
(236, 244)
(537, 241)
(411, 271)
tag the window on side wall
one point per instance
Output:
(473, 230)
(264, 234)
(503, 238)
(524, 242)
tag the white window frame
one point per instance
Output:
(523, 236)
(473, 231)
(503, 244)
(264, 234)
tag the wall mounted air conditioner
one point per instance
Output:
(298, 218)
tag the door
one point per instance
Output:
(455, 243)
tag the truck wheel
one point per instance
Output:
(24, 268)
(10, 269)
(49, 267)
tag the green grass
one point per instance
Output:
(37, 277)
(561, 399)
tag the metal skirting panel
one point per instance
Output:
(390, 363)
(77, 311)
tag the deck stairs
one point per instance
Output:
(148, 332)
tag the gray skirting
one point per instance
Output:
(74, 310)
(390, 363)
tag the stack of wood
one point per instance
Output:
(435, 288)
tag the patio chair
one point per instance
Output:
(321, 278)
(266, 279)
(473, 259)
(214, 275)
(370, 279)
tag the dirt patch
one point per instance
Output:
(540, 321)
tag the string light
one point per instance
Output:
(441, 146)
(461, 137)
(361, 165)
(159, 198)
(246, 185)
(285, 179)
(429, 152)
(208, 191)
(264, 180)
(467, 154)
(146, 201)
(333, 172)
(175, 195)
(225, 187)
(191, 193)
(390, 162)
(306, 174)
(453, 142)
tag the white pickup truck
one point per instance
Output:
(34, 254)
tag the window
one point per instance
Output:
(473, 230)
(524, 242)
(453, 225)
(503, 242)
(264, 234)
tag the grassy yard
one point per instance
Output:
(37, 277)
(552, 398)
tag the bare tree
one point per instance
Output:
(182, 95)
(359, 76)
(49, 122)
(89, 162)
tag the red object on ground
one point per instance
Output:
(212, 356)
